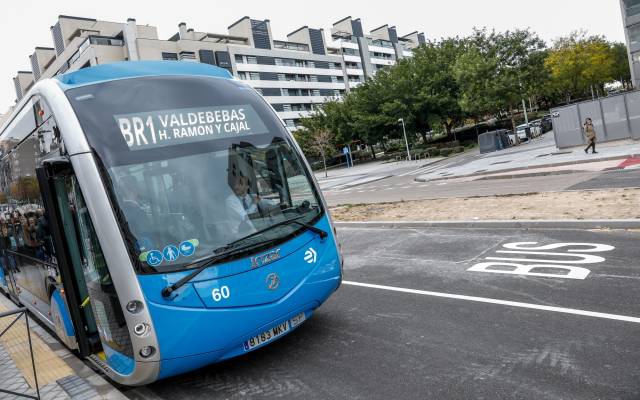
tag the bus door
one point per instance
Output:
(52, 180)
(97, 298)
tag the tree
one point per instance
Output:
(499, 70)
(322, 142)
(581, 64)
(315, 138)
(621, 71)
(25, 188)
(438, 92)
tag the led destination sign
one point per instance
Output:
(143, 131)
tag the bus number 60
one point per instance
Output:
(220, 293)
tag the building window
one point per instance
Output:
(384, 56)
(278, 44)
(632, 7)
(239, 59)
(634, 34)
(289, 62)
(299, 107)
(187, 56)
(271, 92)
(105, 41)
(170, 56)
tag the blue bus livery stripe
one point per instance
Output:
(64, 312)
(133, 69)
(119, 362)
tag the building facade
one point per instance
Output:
(631, 20)
(295, 75)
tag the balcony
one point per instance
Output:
(282, 45)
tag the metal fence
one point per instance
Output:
(614, 118)
(20, 312)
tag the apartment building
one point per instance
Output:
(295, 75)
(631, 20)
(365, 54)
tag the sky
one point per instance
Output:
(24, 24)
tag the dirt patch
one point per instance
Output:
(590, 204)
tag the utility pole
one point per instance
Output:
(406, 142)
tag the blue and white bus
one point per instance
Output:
(159, 217)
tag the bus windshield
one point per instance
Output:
(193, 163)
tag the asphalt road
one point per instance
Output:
(432, 329)
(608, 180)
(397, 188)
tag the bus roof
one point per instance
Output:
(132, 69)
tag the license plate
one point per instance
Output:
(274, 332)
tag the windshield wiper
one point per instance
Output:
(219, 254)
(230, 249)
(293, 220)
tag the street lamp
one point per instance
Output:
(406, 142)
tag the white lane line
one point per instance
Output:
(562, 310)
(425, 170)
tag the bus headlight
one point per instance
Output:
(147, 351)
(134, 306)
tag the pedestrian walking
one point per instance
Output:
(590, 133)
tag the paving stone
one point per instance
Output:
(77, 388)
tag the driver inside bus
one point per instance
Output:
(243, 204)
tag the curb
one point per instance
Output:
(560, 164)
(508, 224)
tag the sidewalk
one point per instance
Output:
(541, 158)
(60, 374)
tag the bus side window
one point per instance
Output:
(48, 134)
(30, 137)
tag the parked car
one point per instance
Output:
(521, 132)
(536, 128)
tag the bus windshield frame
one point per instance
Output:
(228, 167)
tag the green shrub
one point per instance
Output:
(469, 145)
(446, 152)
(458, 149)
(433, 152)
